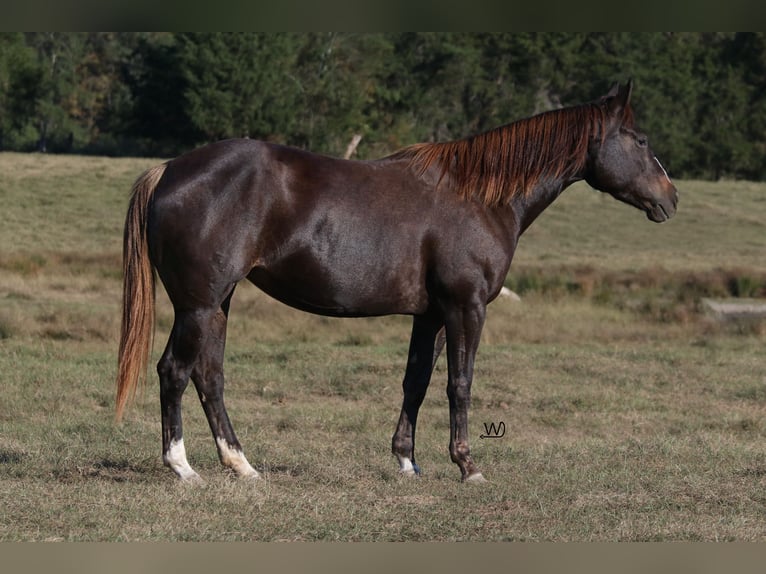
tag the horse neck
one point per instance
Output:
(527, 207)
(564, 139)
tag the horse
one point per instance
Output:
(428, 231)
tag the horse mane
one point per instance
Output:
(500, 164)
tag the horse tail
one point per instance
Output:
(137, 291)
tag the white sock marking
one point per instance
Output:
(175, 458)
(405, 466)
(235, 459)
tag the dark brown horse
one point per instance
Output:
(429, 231)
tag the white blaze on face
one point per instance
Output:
(235, 459)
(663, 169)
(175, 458)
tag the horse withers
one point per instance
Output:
(429, 231)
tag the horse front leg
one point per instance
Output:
(464, 325)
(426, 342)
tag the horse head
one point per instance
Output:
(622, 163)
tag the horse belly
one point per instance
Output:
(327, 284)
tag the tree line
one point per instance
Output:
(700, 96)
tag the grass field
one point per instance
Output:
(629, 414)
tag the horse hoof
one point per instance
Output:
(192, 479)
(408, 467)
(475, 478)
(255, 475)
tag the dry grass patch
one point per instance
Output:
(629, 415)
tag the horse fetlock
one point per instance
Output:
(175, 458)
(233, 458)
(460, 452)
(408, 467)
(402, 446)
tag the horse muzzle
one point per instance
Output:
(663, 209)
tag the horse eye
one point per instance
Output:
(641, 141)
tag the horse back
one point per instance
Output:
(326, 235)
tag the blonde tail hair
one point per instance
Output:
(137, 292)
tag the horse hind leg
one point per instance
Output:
(209, 381)
(174, 369)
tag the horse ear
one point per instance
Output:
(612, 91)
(624, 93)
(618, 99)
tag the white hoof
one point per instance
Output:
(407, 467)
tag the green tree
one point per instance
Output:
(509, 86)
(343, 89)
(103, 102)
(156, 118)
(745, 54)
(59, 55)
(700, 96)
(20, 86)
(556, 69)
(238, 84)
(436, 82)
(722, 100)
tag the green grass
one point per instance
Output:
(629, 414)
